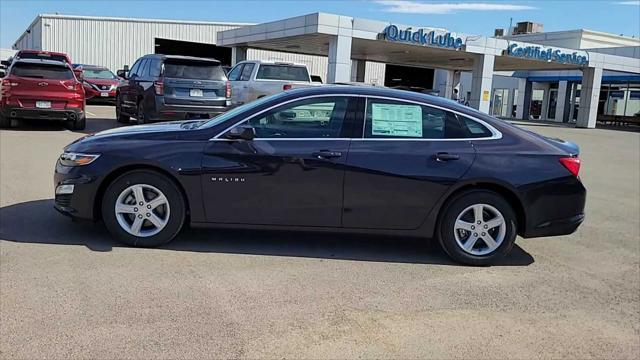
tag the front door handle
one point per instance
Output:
(443, 156)
(326, 154)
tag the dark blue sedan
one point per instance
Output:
(331, 158)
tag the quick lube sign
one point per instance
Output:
(549, 54)
(422, 37)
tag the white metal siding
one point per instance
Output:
(115, 42)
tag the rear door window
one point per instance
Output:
(144, 68)
(42, 71)
(283, 72)
(155, 68)
(390, 119)
(188, 69)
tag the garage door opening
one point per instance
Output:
(409, 78)
(186, 48)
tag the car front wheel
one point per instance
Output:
(478, 227)
(143, 208)
(120, 117)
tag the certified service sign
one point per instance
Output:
(422, 37)
(549, 54)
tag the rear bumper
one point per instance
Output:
(164, 111)
(45, 114)
(556, 228)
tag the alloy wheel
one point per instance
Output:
(142, 210)
(480, 229)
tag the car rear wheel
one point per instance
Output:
(79, 124)
(5, 122)
(477, 227)
(143, 208)
(142, 118)
(120, 117)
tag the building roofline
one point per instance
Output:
(583, 31)
(128, 19)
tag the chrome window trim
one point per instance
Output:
(496, 133)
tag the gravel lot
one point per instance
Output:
(68, 291)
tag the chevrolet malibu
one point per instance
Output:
(336, 159)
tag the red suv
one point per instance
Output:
(42, 89)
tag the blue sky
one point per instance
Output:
(473, 17)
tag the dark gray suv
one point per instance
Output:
(171, 87)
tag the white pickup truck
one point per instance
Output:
(253, 79)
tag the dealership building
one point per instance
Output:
(576, 76)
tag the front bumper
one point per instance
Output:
(44, 114)
(80, 203)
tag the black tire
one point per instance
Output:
(79, 124)
(447, 231)
(176, 215)
(120, 117)
(141, 117)
(5, 122)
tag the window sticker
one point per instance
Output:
(396, 120)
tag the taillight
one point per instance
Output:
(227, 92)
(286, 87)
(572, 164)
(159, 86)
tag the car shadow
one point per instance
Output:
(93, 125)
(37, 222)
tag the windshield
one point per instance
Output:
(283, 72)
(203, 70)
(240, 109)
(42, 71)
(98, 74)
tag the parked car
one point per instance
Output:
(336, 158)
(42, 89)
(251, 80)
(171, 87)
(100, 84)
(39, 54)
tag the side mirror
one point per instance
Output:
(242, 132)
(122, 73)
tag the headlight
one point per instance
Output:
(77, 159)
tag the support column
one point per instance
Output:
(449, 84)
(481, 82)
(238, 53)
(589, 96)
(562, 99)
(358, 68)
(525, 88)
(339, 69)
(574, 92)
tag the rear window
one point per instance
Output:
(41, 71)
(44, 56)
(283, 72)
(193, 70)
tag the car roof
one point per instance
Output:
(91, 67)
(273, 62)
(181, 57)
(41, 62)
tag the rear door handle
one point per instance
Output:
(326, 154)
(443, 156)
